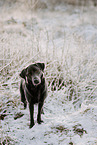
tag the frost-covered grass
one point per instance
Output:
(66, 40)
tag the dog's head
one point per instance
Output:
(33, 74)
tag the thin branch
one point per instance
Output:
(6, 66)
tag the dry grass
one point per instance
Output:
(30, 34)
(22, 43)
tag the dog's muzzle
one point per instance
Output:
(36, 81)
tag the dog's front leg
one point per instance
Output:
(40, 105)
(31, 109)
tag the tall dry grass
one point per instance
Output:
(70, 61)
(71, 71)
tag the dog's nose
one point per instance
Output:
(36, 81)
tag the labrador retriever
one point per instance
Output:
(33, 89)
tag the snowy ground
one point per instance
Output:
(65, 38)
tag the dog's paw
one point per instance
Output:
(25, 105)
(31, 125)
(40, 121)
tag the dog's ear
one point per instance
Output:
(41, 65)
(23, 73)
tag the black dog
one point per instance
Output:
(33, 88)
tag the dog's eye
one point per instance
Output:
(36, 71)
(29, 74)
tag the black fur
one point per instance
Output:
(33, 89)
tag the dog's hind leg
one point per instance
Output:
(23, 99)
(40, 105)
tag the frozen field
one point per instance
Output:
(65, 38)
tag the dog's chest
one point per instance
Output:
(33, 95)
(36, 95)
